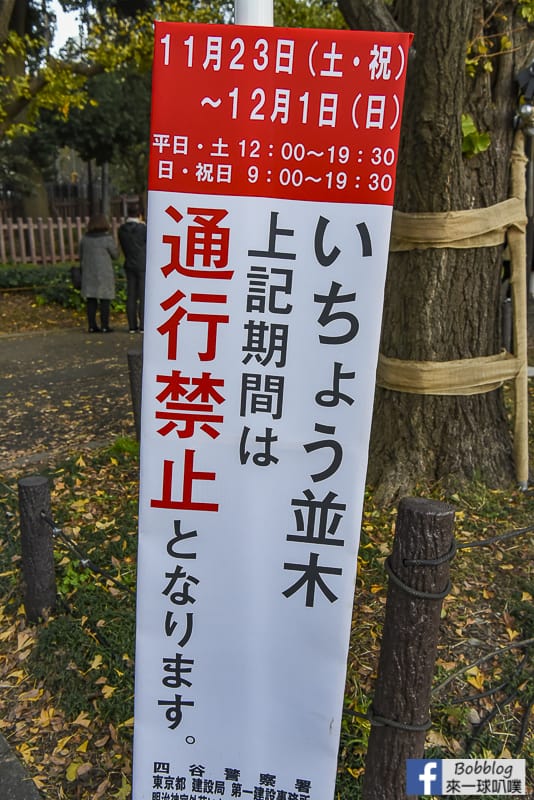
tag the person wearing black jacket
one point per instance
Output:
(132, 238)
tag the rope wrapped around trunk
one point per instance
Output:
(484, 227)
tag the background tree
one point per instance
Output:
(36, 81)
(444, 304)
(19, 57)
(87, 85)
(308, 14)
(31, 79)
(113, 128)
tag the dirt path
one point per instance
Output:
(62, 390)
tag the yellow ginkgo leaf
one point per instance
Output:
(72, 770)
(355, 772)
(61, 744)
(26, 752)
(79, 505)
(475, 677)
(96, 662)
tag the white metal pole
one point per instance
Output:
(253, 12)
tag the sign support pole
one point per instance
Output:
(253, 12)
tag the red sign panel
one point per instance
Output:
(284, 115)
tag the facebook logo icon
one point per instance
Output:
(423, 776)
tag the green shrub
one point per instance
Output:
(30, 276)
(52, 284)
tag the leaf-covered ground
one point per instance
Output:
(20, 312)
(66, 685)
(77, 399)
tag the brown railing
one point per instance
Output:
(43, 241)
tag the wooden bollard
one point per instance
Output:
(401, 706)
(37, 547)
(135, 368)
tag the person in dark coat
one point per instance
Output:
(98, 249)
(132, 238)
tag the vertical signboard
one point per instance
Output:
(273, 156)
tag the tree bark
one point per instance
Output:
(368, 15)
(37, 548)
(424, 531)
(444, 304)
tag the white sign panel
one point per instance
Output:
(273, 155)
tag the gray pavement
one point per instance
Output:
(15, 784)
(62, 390)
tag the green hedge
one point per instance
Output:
(52, 284)
(30, 276)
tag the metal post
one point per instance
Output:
(253, 12)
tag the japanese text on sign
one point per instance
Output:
(286, 111)
(270, 206)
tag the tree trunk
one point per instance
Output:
(91, 189)
(444, 304)
(106, 197)
(35, 203)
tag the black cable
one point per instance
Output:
(488, 718)
(495, 539)
(524, 727)
(473, 697)
(486, 657)
(380, 721)
(84, 561)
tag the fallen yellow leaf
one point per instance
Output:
(355, 772)
(32, 695)
(61, 744)
(475, 677)
(79, 505)
(45, 717)
(26, 752)
(83, 719)
(19, 674)
(8, 633)
(72, 770)
(23, 640)
(96, 662)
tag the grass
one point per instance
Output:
(68, 694)
(67, 701)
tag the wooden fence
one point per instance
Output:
(43, 241)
